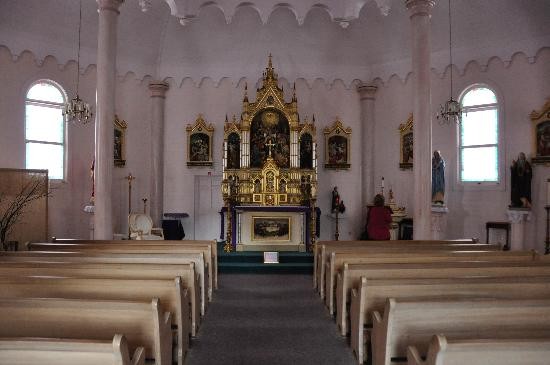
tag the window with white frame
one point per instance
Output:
(479, 136)
(45, 128)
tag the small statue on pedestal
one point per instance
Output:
(522, 174)
(337, 204)
(438, 179)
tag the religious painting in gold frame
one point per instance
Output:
(337, 146)
(199, 143)
(541, 132)
(276, 229)
(406, 144)
(119, 148)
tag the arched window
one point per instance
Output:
(45, 129)
(479, 136)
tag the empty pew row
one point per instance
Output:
(337, 260)
(208, 248)
(443, 351)
(197, 258)
(114, 271)
(143, 324)
(323, 248)
(173, 297)
(350, 276)
(374, 246)
(413, 323)
(46, 351)
(371, 296)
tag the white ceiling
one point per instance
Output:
(310, 39)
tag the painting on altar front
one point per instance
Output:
(270, 130)
(270, 228)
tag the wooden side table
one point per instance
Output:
(499, 225)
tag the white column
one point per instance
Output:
(105, 115)
(366, 97)
(517, 218)
(158, 92)
(421, 48)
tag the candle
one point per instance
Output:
(382, 181)
(547, 191)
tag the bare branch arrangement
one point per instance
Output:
(13, 208)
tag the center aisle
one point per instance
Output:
(268, 319)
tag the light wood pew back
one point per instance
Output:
(45, 351)
(374, 246)
(118, 271)
(371, 296)
(337, 260)
(482, 352)
(318, 261)
(166, 244)
(142, 323)
(120, 258)
(123, 246)
(413, 323)
(350, 276)
(173, 297)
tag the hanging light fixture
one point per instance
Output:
(77, 111)
(451, 111)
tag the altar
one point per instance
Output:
(269, 184)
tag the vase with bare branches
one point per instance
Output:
(13, 207)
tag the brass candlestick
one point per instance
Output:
(129, 178)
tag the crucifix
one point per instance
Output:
(270, 145)
(129, 178)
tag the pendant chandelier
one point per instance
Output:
(77, 111)
(451, 111)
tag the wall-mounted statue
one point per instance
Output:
(438, 179)
(521, 175)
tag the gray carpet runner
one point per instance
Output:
(268, 319)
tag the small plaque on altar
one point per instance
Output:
(271, 257)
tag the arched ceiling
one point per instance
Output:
(310, 39)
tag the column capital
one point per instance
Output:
(158, 89)
(367, 91)
(112, 5)
(420, 7)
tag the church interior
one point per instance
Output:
(269, 127)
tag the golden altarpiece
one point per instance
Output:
(269, 182)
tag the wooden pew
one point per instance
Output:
(350, 276)
(337, 260)
(117, 271)
(373, 246)
(208, 248)
(318, 255)
(173, 297)
(119, 258)
(372, 295)
(45, 351)
(413, 323)
(482, 352)
(166, 244)
(142, 323)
